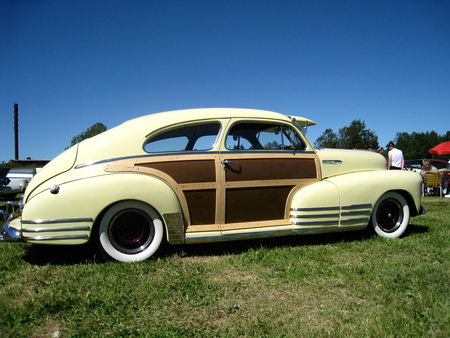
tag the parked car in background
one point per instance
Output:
(417, 164)
(4, 181)
(18, 177)
(206, 175)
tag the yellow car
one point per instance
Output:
(205, 175)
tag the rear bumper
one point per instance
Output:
(9, 233)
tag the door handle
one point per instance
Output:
(229, 161)
(226, 162)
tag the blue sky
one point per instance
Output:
(70, 64)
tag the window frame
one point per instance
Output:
(285, 128)
(173, 128)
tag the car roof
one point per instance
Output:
(127, 139)
(185, 115)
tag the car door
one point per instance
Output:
(184, 158)
(263, 163)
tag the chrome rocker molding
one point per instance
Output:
(281, 233)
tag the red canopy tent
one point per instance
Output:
(441, 149)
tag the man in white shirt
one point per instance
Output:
(396, 160)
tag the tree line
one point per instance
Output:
(356, 135)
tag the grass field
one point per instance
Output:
(346, 284)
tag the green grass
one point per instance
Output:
(334, 285)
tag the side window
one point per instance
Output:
(185, 138)
(262, 136)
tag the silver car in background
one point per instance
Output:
(18, 177)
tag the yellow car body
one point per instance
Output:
(205, 175)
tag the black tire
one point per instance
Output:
(130, 231)
(390, 215)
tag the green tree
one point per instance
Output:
(416, 145)
(328, 139)
(272, 145)
(353, 136)
(356, 135)
(93, 130)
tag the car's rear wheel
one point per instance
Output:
(130, 231)
(390, 216)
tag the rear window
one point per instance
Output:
(195, 137)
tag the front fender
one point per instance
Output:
(347, 200)
(368, 186)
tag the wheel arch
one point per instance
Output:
(407, 196)
(172, 221)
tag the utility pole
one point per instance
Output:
(16, 130)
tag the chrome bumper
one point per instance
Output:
(10, 234)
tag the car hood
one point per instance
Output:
(342, 161)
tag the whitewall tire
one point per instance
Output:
(390, 216)
(130, 231)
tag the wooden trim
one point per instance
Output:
(126, 166)
(258, 224)
(139, 165)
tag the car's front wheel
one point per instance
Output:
(390, 216)
(130, 231)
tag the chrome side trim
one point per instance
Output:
(335, 222)
(314, 216)
(80, 228)
(353, 206)
(53, 221)
(87, 164)
(46, 238)
(348, 215)
(315, 209)
(355, 220)
(332, 162)
(355, 212)
(358, 214)
(83, 228)
(357, 206)
(175, 227)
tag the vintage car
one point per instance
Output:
(205, 175)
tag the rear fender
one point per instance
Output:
(87, 198)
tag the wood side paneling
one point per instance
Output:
(187, 171)
(256, 204)
(271, 169)
(202, 206)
